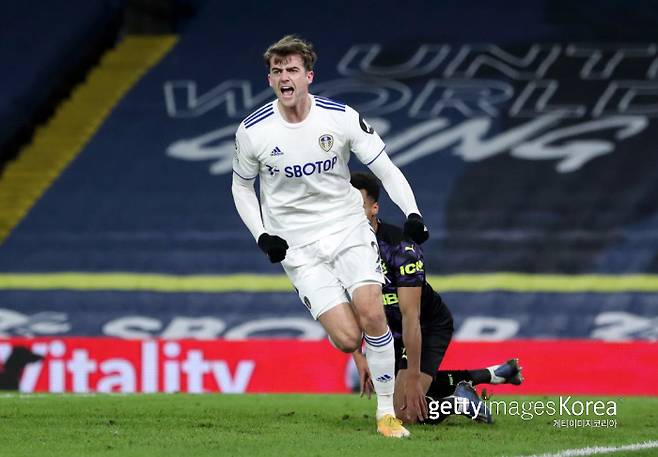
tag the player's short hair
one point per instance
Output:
(289, 45)
(367, 182)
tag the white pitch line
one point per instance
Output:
(585, 451)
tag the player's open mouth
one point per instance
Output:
(287, 91)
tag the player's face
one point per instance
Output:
(289, 79)
(370, 206)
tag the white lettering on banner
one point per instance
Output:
(46, 323)
(472, 59)
(80, 367)
(358, 61)
(208, 147)
(239, 382)
(171, 368)
(308, 329)
(210, 327)
(578, 152)
(182, 100)
(482, 328)
(468, 61)
(469, 98)
(619, 98)
(13, 323)
(10, 319)
(468, 142)
(121, 375)
(459, 87)
(149, 367)
(237, 97)
(132, 327)
(608, 57)
(468, 138)
(535, 99)
(608, 325)
(379, 96)
(56, 370)
(5, 350)
(195, 367)
(623, 326)
(203, 328)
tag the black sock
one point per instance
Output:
(445, 382)
(481, 376)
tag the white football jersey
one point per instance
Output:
(305, 190)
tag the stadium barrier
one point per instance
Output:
(86, 365)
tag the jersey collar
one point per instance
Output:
(294, 125)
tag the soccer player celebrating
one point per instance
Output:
(312, 218)
(422, 327)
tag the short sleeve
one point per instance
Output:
(245, 164)
(364, 141)
(408, 265)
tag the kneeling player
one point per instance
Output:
(422, 327)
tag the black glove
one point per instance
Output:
(415, 229)
(274, 246)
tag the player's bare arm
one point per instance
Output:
(365, 380)
(415, 404)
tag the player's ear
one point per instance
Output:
(269, 79)
(375, 209)
(309, 76)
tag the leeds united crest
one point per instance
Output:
(326, 142)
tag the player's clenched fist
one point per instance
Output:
(415, 229)
(274, 246)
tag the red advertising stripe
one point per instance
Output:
(114, 365)
(567, 366)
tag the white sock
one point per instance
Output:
(495, 379)
(380, 354)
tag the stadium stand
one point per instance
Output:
(45, 50)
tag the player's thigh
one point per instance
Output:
(433, 349)
(317, 286)
(357, 261)
(436, 337)
(341, 325)
(358, 268)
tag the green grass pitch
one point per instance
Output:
(280, 425)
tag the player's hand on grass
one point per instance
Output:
(415, 407)
(365, 380)
(274, 246)
(415, 229)
(367, 388)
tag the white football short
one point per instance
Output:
(326, 272)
